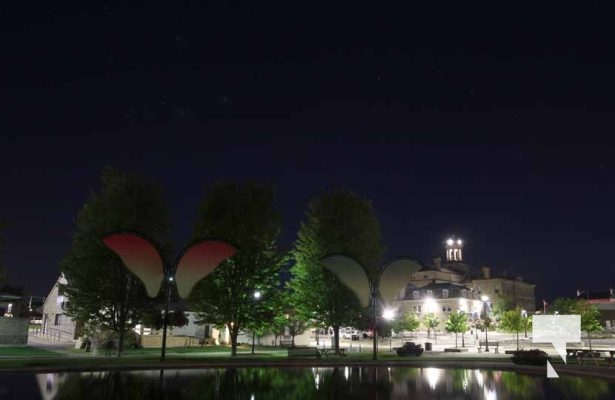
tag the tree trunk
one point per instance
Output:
(455, 339)
(589, 337)
(120, 342)
(517, 340)
(234, 331)
(336, 333)
(463, 342)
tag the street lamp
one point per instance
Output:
(485, 299)
(257, 296)
(389, 314)
(524, 314)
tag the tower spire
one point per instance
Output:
(454, 247)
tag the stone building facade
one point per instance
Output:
(451, 285)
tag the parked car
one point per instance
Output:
(351, 334)
(410, 349)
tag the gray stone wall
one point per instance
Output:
(14, 331)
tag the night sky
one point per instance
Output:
(495, 125)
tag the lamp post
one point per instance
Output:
(165, 320)
(485, 299)
(257, 296)
(524, 314)
(389, 314)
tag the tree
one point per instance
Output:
(338, 221)
(502, 304)
(431, 322)
(513, 321)
(590, 316)
(242, 214)
(287, 319)
(409, 322)
(100, 289)
(457, 323)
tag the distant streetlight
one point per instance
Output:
(389, 314)
(257, 296)
(524, 314)
(485, 299)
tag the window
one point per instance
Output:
(464, 293)
(418, 309)
(443, 308)
(445, 293)
(416, 295)
(497, 291)
(58, 319)
(429, 293)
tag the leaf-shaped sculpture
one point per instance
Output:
(198, 261)
(141, 257)
(395, 273)
(350, 273)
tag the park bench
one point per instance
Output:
(326, 352)
(303, 352)
(494, 345)
(584, 355)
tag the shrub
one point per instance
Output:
(530, 357)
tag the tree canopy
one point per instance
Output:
(101, 290)
(337, 221)
(406, 323)
(243, 215)
(513, 321)
(456, 323)
(590, 316)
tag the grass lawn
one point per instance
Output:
(26, 351)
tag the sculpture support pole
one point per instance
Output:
(375, 332)
(165, 321)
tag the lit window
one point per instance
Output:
(416, 295)
(429, 293)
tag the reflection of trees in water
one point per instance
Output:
(109, 385)
(521, 386)
(262, 383)
(581, 388)
(356, 383)
(330, 382)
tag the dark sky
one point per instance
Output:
(492, 124)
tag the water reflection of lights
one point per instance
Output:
(490, 394)
(252, 396)
(346, 372)
(433, 376)
(479, 378)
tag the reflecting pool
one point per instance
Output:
(302, 383)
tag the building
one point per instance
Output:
(56, 325)
(604, 302)
(454, 286)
